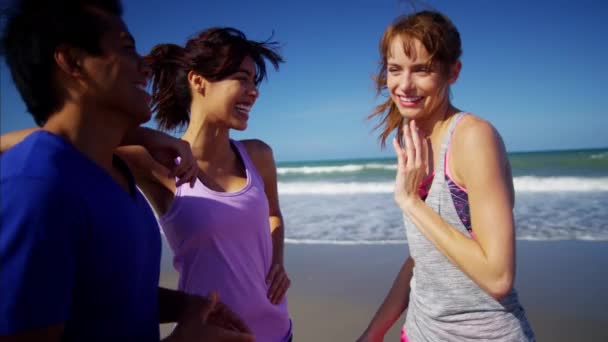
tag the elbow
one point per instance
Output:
(501, 287)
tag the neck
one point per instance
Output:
(208, 141)
(94, 132)
(434, 124)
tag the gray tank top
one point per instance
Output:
(445, 304)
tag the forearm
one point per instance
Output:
(466, 253)
(171, 305)
(278, 240)
(395, 303)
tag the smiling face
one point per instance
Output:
(229, 101)
(116, 80)
(416, 86)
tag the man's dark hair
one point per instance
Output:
(34, 29)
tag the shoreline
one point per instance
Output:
(336, 289)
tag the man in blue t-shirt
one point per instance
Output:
(79, 244)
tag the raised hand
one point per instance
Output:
(412, 165)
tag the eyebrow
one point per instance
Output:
(416, 65)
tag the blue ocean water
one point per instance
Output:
(560, 195)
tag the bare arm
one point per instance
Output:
(165, 149)
(134, 137)
(489, 258)
(11, 139)
(151, 177)
(261, 155)
(394, 304)
(161, 146)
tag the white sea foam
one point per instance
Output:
(522, 184)
(334, 188)
(344, 242)
(603, 155)
(400, 242)
(349, 168)
(560, 184)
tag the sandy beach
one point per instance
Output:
(336, 289)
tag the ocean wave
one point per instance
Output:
(329, 188)
(400, 242)
(522, 184)
(349, 168)
(560, 184)
(603, 155)
(344, 242)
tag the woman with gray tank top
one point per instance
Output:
(455, 189)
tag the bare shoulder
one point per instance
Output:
(474, 130)
(261, 155)
(476, 134)
(259, 151)
(256, 146)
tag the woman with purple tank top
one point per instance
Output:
(455, 189)
(226, 231)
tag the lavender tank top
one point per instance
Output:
(221, 242)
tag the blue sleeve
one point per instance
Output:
(39, 233)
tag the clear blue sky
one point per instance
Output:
(536, 69)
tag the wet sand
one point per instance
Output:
(563, 286)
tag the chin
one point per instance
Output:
(142, 116)
(412, 113)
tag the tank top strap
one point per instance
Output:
(445, 145)
(249, 166)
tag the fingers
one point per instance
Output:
(197, 331)
(409, 147)
(225, 335)
(280, 290)
(209, 308)
(279, 283)
(401, 155)
(273, 273)
(425, 153)
(187, 169)
(417, 144)
(224, 317)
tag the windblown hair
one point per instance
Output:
(441, 39)
(34, 29)
(215, 54)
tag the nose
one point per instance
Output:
(405, 82)
(253, 91)
(145, 68)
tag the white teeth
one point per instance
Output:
(410, 99)
(243, 108)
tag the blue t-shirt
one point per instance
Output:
(75, 247)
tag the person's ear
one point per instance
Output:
(70, 60)
(454, 72)
(197, 82)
